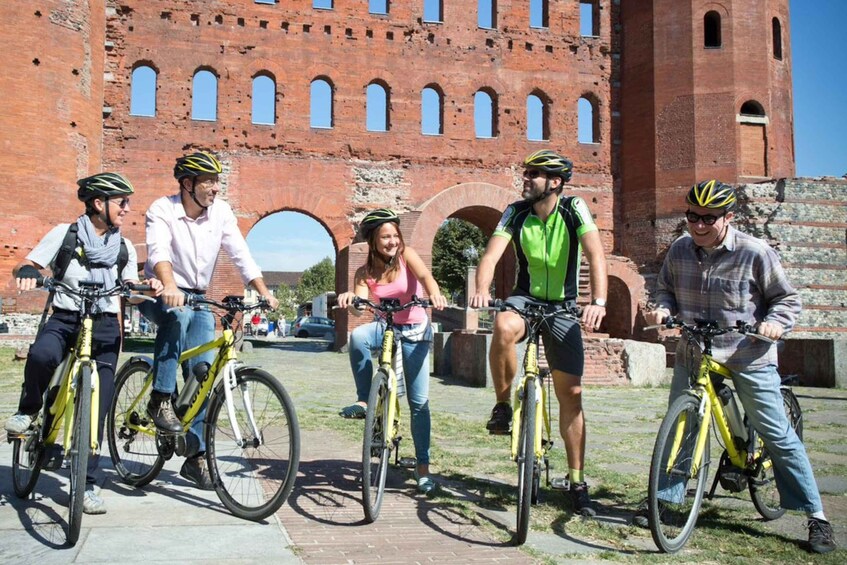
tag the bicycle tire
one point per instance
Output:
(376, 447)
(134, 455)
(671, 522)
(253, 479)
(762, 485)
(80, 446)
(526, 462)
(27, 459)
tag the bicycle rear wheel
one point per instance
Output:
(762, 485)
(80, 446)
(675, 491)
(376, 446)
(27, 458)
(526, 461)
(130, 432)
(254, 477)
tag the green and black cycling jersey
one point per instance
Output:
(548, 253)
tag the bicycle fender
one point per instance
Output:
(143, 358)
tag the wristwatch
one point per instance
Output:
(599, 302)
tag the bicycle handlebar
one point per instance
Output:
(231, 304)
(391, 305)
(90, 290)
(710, 328)
(534, 311)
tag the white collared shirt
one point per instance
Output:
(192, 246)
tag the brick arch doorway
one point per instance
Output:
(273, 238)
(480, 204)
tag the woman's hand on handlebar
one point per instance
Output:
(438, 301)
(348, 300)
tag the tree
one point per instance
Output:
(458, 244)
(317, 279)
(287, 303)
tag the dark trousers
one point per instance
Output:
(48, 350)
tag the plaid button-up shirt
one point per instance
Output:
(741, 279)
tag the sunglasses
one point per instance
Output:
(532, 173)
(122, 203)
(707, 219)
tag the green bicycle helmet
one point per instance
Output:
(712, 194)
(103, 185)
(196, 164)
(376, 218)
(550, 162)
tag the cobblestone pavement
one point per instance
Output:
(323, 518)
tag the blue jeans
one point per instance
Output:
(367, 340)
(758, 391)
(179, 330)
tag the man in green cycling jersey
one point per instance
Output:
(549, 233)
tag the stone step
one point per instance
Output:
(803, 254)
(805, 275)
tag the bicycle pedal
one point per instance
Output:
(407, 462)
(560, 483)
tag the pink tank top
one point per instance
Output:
(403, 287)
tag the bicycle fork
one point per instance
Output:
(230, 382)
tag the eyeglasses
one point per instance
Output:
(707, 219)
(532, 173)
(123, 203)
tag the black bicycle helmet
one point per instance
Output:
(103, 185)
(376, 218)
(712, 194)
(550, 162)
(196, 164)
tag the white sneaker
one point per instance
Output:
(18, 423)
(93, 504)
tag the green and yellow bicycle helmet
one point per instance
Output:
(712, 194)
(376, 218)
(550, 162)
(196, 164)
(103, 185)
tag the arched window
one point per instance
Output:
(486, 17)
(539, 13)
(433, 11)
(589, 18)
(753, 133)
(485, 114)
(377, 107)
(204, 96)
(537, 118)
(432, 111)
(777, 38)
(264, 100)
(752, 108)
(712, 30)
(143, 91)
(588, 121)
(378, 6)
(321, 104)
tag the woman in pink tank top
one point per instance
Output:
(393, 270)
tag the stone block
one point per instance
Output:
(469, 356)
(441, 353)
(817, 361)
(644, 363)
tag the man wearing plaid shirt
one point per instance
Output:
(715, 272)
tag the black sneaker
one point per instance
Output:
(162, 413)
(580, 500)
(821, 539)
(194, 469)
(500, 422)
(641, 518)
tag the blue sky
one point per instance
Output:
(288, 241)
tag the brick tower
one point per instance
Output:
(706, 93)
(51, 115)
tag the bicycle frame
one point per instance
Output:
(530, 377)
(386, 358)
(62, 407)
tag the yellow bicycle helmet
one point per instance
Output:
(550, 162)
(103, 185)
(712, 194)
(196, 164)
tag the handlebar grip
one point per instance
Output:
(138, 287)
(495, 303)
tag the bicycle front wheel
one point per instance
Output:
(526, 461)
(677, 482)
(27, 458)
(253, 476)
(375, 446)
(80, 446)
(762, 485)
(131, 433)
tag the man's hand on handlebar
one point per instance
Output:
(592, 315)
(480, 300)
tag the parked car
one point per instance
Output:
(313, 326)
